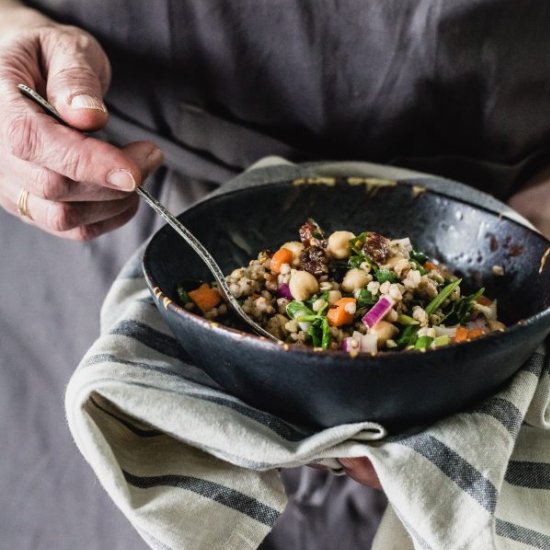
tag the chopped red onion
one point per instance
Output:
(284, 291)
(378, 311)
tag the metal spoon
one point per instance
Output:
(191, 240)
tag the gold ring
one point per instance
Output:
(22, 204)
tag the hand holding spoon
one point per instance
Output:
(191, 240)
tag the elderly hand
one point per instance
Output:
(533, 202)
(362, 471)
(78, 187)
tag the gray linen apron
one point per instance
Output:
(458, 88)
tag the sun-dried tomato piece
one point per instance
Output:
(311, 234)
(315, 260)
(377, 247)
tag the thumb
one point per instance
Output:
(78, 73)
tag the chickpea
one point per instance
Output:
(355, 279)
(338, 244)
(495, 325)
(334, 296)
(383, 331)
(391, 316)
(302, 285)
(296, 248)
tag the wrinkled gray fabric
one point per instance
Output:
(456, 88)
(49, 314)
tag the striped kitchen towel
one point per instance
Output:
(194, 468)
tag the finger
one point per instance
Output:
(37, 138)
(146, 155)
(77, 75)
(533, 202)
(88, 232)
(49, 185)
(57, 217)
(361, 470)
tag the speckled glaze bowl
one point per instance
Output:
(321, 389)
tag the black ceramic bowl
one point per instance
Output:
(397, 389)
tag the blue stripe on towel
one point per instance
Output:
(535, 364)
(276, 425)
(460, 471)
(533, 475)
(504, 411)
(522, 534)
(150, 337)
(208, 489)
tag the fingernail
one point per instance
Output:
(87, 102)
(346, 462)
(121, 179)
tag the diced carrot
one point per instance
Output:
(205, 297)
(484, 301)
(282, 256)
(461, 334)
(475, 333)
(430, 266)
(339, 315)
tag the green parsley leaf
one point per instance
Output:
(384, 275)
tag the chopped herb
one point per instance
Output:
(325, 340)
(318, 329)
(305, 318)
(297, 310)
(461, 310)
(357, 252)
(364, 298)
(418, 257)
(182, 295)
(408, 336)
(441, 297)
(442, 340)
(356, 260)
(384, 275)
(406, 320)
(356, 244)
(315, 332)
(419, 267)
(423, 342)
(322, 296)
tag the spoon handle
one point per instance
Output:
(206, 257)
(191, 240)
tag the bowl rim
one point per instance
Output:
(256, 340)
